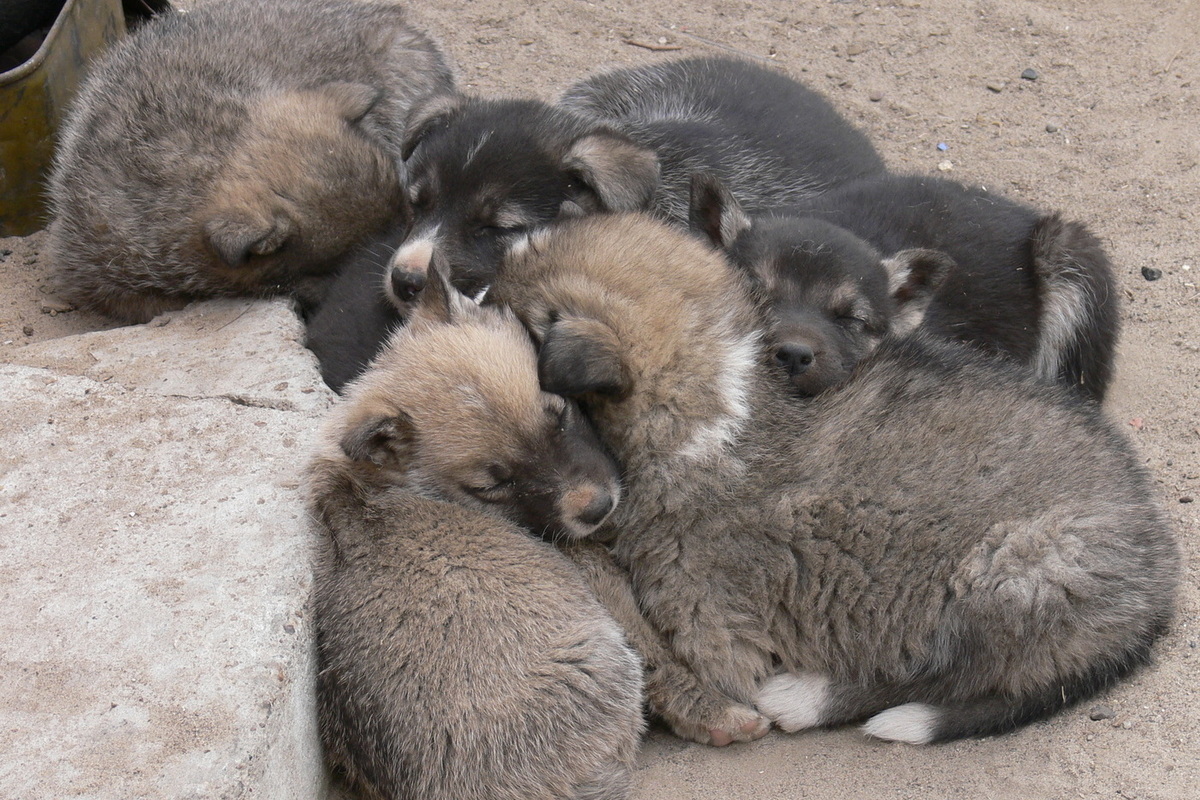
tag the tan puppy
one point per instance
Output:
(238, 148)
(460, 657)
(940, 547)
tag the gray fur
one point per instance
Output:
(460, 657)
(942, 540)
(238, 148)
(771, 139)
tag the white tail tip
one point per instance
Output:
(914, 723)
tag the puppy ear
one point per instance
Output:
(913, 277)
(581, 356)
(385, 441)
(236, 234)
(439, 301)
(714, 212)
(623, 174)
(351, 101)
(424, 117)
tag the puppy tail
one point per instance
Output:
(1079, 311)
(930, 723)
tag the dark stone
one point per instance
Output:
(1030, 74)
(1151, 274)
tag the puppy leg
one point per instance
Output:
(673, 692)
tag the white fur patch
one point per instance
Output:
(739, 362)
(480, 295)
(476, 147)
(794, 701)
(914, 723)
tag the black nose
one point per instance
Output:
(407, 285)
(597, 510)
(795, 358)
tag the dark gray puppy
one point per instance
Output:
(238, 148)
(886, 254)
(460, 658)
(941, 547)
(770, 139)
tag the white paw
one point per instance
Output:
(914, 723)
(794, 701)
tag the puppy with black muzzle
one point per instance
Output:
(891, 254)
(239, 148)
(941, 547)
(460, 657)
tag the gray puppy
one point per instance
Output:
(239, 148)
(460, 657)
(940, 546)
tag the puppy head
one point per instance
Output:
(654, 332)
(305, 184)
(452, 409)
(831, 296)
(483, 172)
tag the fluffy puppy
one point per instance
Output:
(238, 148)
(888, 254)
(459, 657)
(941, 547)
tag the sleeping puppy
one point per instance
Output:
(889, 254)
(459, 656)
(941, 546)
(240, 148)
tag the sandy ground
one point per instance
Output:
(1108, 132)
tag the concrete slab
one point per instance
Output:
(154, 562)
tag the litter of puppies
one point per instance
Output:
(667, 393)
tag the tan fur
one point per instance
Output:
(238, 148)
(941, 540)
(460, 657)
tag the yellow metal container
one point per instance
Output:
(33, 98)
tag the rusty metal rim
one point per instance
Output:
(35, 61)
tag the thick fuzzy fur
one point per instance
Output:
(890, 253)
(772, 140)
(460, 657)
(941, 546)
(238, 148)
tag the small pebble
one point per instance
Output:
(1030, 74)
(1051, 127)
(943, 146)
(1151, 273)
(1187, 499)
(53, 308)
(855, 49)
(27, 330)
(875, 96)
(997, 86)
(945, 166)
(1101, 712)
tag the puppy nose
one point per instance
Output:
(406, 285)
(795, 358)
(597, 510)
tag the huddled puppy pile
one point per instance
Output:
(667, 396)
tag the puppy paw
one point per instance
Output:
(700, 714)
